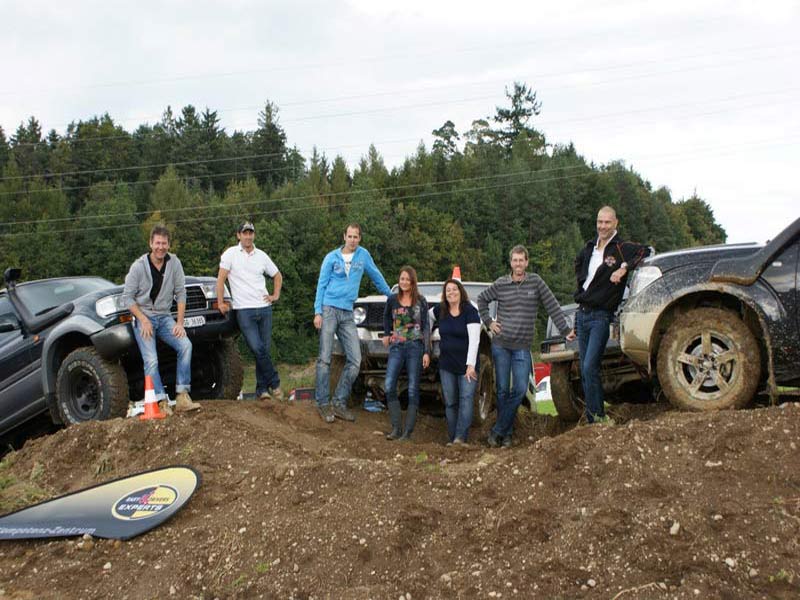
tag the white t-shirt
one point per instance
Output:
(246, 272)
(595, 261)
(348, 260)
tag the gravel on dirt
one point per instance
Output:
(660, 505)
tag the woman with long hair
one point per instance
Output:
(460, 335)
(407, 335)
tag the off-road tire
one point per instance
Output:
(335, 372)
(217, 371)
(692, 348)
(570, 404)
(88, 387)
(485, 399)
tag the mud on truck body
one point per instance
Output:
(718, 325)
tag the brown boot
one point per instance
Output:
(165, 408)
(183, 403)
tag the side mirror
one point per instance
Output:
(5, 327)
(11, 275)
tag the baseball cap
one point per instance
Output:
(246, 226)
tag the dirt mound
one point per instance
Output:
(679, 506)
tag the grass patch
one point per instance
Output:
(546, 407)
(782, 576)
(262, 568)
(16, 493)
(292, 376)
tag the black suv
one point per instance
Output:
(719, 324)
(67, 346)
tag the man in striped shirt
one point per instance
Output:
(518, 296)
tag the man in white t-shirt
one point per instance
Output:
(244, 267)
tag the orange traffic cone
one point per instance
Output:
(456, 273)
(151, 410)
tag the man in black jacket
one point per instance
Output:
(601, 268)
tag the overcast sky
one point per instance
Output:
(697, 96)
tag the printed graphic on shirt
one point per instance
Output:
(406, 324)
(610, 260)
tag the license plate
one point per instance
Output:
(194, 321)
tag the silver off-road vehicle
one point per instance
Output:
(368, 315)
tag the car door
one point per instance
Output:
(781, 274)
(20, 379)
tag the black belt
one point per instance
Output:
(588, 308)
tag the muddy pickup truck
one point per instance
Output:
(717, 325)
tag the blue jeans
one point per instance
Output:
(512, 368)
(591, 327)
(162, 329)
(340, 322)
(256, 326)
(408, 355)
(458, 402)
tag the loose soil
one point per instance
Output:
(661, 505)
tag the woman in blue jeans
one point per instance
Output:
(407, 335)
(460, 334)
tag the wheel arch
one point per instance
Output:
(64, 338)
(751, 311)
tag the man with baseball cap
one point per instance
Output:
(244, 267)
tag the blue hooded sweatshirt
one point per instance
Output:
(336, 288)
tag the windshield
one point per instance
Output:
(435, 289)
(41, 296)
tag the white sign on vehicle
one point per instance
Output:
(198, 321)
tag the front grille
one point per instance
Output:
(374, 318)
(195, 299)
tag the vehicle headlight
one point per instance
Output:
(109, 305)
(642, 277)
(210, 290)
(359, 315)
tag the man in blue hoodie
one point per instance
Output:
(337, 290)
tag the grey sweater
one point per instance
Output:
(517, 304)
(139, 282)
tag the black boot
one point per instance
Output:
(395, 418)
(411, 420)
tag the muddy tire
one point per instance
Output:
(217, 371)
(709, 360)
(88, 387)
(485, 399)
(335, 371)
(567, 395)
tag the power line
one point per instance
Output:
(350, 61)
(244, 172)
(141, 167)
(395, 93)
(423, 196)
(293, 198)
(660, 108)
(248, 173)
